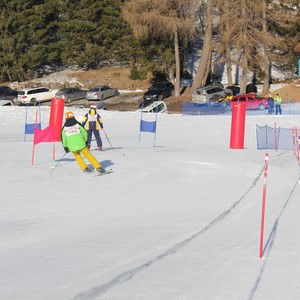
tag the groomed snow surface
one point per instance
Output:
(180, 220)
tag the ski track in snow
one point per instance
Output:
(125, 276)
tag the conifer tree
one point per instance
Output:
(162, 18)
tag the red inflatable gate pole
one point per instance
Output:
(56, 116)
(263, 207)
(238, 125)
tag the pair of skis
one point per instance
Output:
(96, 173)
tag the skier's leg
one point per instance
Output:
(79, 160)
(91, 158)
(98, 138)
(89, 139)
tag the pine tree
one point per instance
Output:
(165, 19)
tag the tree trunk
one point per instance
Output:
(243, 53)
(228, 67)
(206, 50)
(244, 75)
(207, 72)
(227, 51)
(267, 63)
(177, 61)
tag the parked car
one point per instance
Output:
(216, 83)
(251, 102)
(251, 88)
(101, 105)
(6, 102)
(34, 95)
(209, 93)
(156, 106)
(70, 94)
(235, 89)
(101, 92)
(6, 93)
(158, 91)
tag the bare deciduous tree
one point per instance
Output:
(252, 38)
(204, 62)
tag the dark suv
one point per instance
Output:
(6, 93)
(158, 91)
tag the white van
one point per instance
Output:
(156, 106)
(34, 95)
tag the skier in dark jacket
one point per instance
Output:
(74, 137)
(92, 123)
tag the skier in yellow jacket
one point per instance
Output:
(92, 123)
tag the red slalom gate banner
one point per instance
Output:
(263, 207)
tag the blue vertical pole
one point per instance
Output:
(155, 124)
(299, 66)
(25, 122)
(141, 120)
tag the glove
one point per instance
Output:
(66, 149)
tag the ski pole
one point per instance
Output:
(58, 163)
(107, 138)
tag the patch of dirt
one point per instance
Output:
(289, 92)
(115, 77)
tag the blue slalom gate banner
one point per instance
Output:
(148, 126)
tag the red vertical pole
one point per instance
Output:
(294, 139)
(56, 116)
(263, 208)
(238, 125)
(297, 143)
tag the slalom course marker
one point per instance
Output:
(148, 126)
(263, 208)
(29, 127)
(296, 143)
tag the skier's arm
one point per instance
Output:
(64, 141)
(84, 120)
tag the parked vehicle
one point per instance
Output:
(6, 102)
(6, 93)
(210, 93)
(235, 89)
(156, 106)
(101, 92)
(70, 94)
(158, 91)
(251, 88)
(34, 95)
(215, 84)
(251, 102)
(101, 105)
